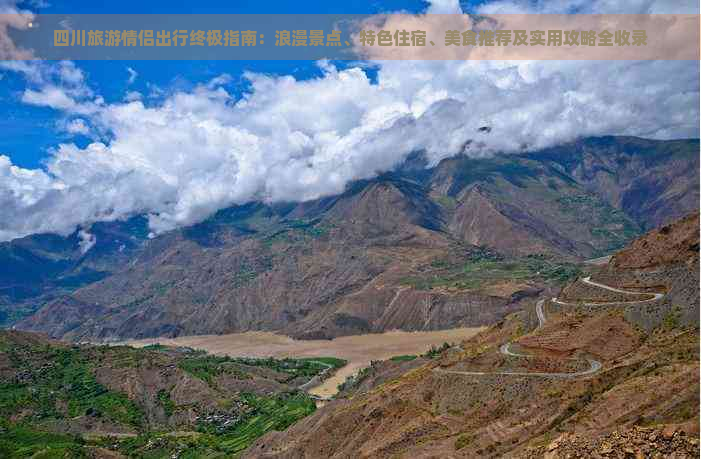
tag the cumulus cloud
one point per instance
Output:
(31, 70)
(188, 153)
(72, 75)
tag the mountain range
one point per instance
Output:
(463, 242)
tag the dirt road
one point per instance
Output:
(594, 365)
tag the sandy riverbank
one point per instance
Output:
(358, 350)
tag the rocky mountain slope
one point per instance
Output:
(460, 244)
(75, 401)
(614, 373)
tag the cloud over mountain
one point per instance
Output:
(193, 152)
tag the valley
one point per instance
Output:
(357, 350)
(535, 305)
(388, 229)
(609, 359)
(612, 359)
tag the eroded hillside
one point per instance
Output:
(609, 374)
(460, 244)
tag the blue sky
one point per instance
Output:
(29, 131)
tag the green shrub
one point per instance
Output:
(672, 319)
(462, 441)
(437, 351)
(20, 441)
(403, 358)
(166, 402)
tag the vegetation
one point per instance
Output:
(208, 367)
(155, 347)
(243, 276)
(258, 416)
(66, 381)
(166, 402)
(269, 413)
(463, 441)
(403, 358)
(307, 367)
(614, 228)
(12, 313)
(55, 384)
(671, 319)
(447, 202)
(354, 380)
(550, 270)
(333, 361)
(470, 170)
(436, 351)
(290, 231)
(483, 267)
(19, 440)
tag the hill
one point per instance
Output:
(59, 400)
(462, 243)
(608, 368)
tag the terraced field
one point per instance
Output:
(59, 400)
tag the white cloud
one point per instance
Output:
(132, 96)
(220, 80)
(49, 96)
(86, 242)
(39, 4)
(444, 7)
(66, 24)
(31, 70)
(132, 75)
(77, 126)
(155, 92)
(186, 154)
(70, 74)
(60, 86)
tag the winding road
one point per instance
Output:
(594, 365)
(587, 280)
(539, 312)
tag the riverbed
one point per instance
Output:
(358, 350)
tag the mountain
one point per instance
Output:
(38, 269)
(608, 368)
(462, 243)
(58, 400)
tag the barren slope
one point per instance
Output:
(643, 400)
